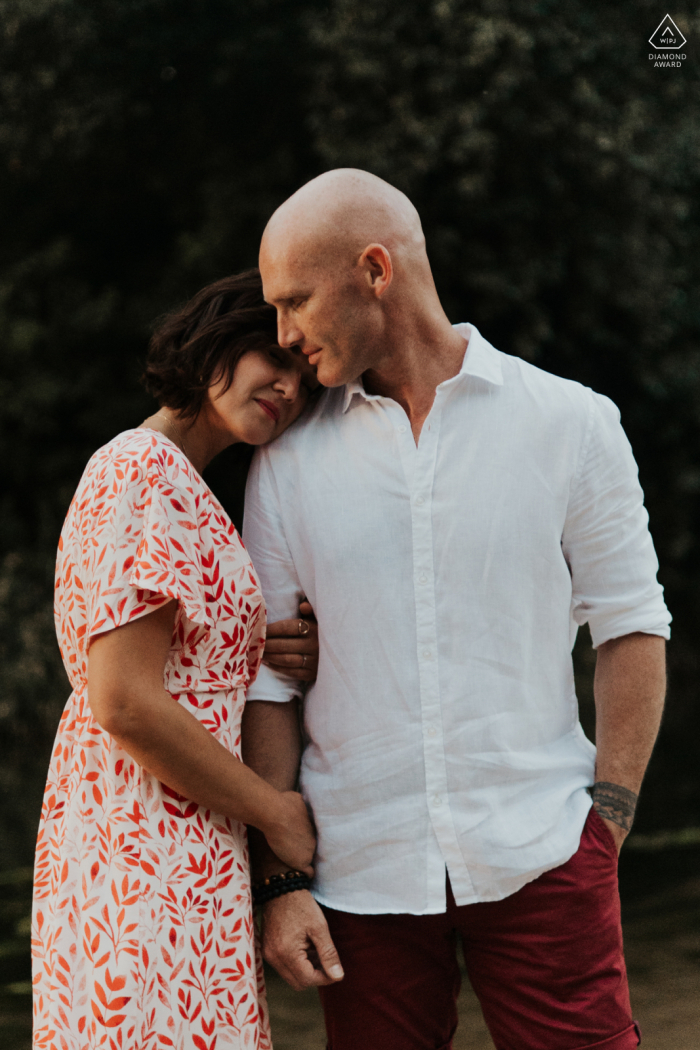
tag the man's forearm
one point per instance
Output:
(271, 746)
(630, 686)
(295, 934)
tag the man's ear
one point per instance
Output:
(379, 271)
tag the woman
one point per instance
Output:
(143, 932)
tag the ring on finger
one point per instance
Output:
(303, 660)
(303, 627)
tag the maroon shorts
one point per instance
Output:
(546, 964)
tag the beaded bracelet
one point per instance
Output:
(278, 885)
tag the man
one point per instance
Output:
(452, 514)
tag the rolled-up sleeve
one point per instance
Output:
(263, 535)
(606, 539)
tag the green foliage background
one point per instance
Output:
(143, 145)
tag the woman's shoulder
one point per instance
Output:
(141, 475)
(142, 455)
(124, 474)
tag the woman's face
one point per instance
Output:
(269, 391)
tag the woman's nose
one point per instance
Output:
(288, 384)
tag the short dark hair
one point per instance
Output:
(202, 342)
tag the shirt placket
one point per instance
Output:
(420, 473)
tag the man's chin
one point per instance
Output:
(329, 376)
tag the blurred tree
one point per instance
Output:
(556, 171)
(144, 144)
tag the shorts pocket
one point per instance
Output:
(603, 831)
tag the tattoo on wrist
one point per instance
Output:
(615, 803)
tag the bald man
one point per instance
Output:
(453, 514)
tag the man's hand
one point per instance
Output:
(618, 833)
(297, 942)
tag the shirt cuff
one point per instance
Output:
(619, 627)
(273, 687)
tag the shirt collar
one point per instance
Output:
(481, 360)
(353, 388)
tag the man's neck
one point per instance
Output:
(412, 374)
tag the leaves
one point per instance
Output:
(93, 250)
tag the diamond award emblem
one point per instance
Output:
(667, 37)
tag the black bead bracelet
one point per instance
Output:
(278, 885)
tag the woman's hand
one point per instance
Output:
(292, 645)
(290, 835)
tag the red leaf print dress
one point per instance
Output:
(143, 932)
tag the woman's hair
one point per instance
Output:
(202, 342)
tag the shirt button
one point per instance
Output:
(419, 501)
(431, 730)
(422, 578)
(402, 429)
(427, 654)
(437, 800)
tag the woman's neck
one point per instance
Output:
(197, 439)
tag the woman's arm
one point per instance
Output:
(127, 698)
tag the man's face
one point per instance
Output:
(328, 312)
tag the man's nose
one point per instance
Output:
(288, 333)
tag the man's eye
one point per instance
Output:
(296, 303)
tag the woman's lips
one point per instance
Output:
(270, 408)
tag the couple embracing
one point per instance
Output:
(452, 514)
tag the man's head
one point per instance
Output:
(342, 260)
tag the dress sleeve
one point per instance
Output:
(606, 539)
(151, 554)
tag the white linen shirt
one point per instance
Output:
(448, 579)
